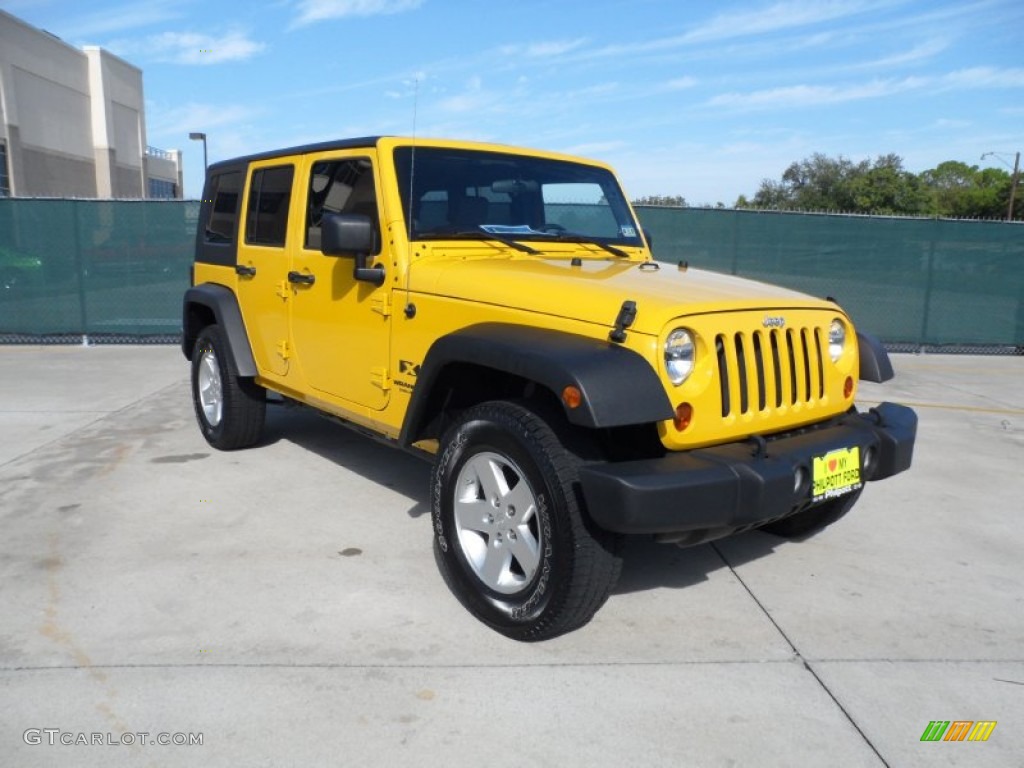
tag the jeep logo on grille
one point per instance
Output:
(774, 321)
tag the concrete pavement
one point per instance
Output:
(284, 603)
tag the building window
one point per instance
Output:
(162, 190)
(5, 180)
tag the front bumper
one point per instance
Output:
(741, 485)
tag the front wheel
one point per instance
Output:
(510, 535)
(230, 409)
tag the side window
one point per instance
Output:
(266, 221)
(224, 195)
(340, 186)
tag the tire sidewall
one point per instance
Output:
(501, 436)
(208, 341)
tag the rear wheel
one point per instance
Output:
(230, 409)
(811, 521)
(511, 537)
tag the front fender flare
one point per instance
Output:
(874, 360)
(618, 387)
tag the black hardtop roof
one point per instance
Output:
(323, 146)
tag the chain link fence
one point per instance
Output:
(918, 284)
(106, 271)
(113, 271)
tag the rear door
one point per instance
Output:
(263, 289)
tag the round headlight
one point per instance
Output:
(679, 355)
(836, 339)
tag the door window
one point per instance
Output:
(266, 221)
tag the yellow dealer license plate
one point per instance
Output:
(836, 473)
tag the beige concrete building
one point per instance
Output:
(72, 122)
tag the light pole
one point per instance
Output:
(200, 137)
(1013, 179)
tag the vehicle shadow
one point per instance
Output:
(381, 464)
(646, 564)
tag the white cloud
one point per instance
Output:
(815, 95)
(680, 83)
(320, 10)
(179, 121)
(472, 98)
(985, 77)
(190, 47)
(784, 15)
(553, 47)
(921, 52)
(121, 18)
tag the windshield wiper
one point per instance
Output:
(564, 237)
(476, 235)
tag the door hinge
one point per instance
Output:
(284, 290)
(284, 349)
(379, 378)
(382, 304)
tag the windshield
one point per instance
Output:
(466, 192)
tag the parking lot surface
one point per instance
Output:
(283, 603)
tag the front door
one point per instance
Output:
(340, 326)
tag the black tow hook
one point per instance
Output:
(760, 446)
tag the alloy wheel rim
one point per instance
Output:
(496, 522)
(211, 393)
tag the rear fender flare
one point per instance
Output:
(221, 301)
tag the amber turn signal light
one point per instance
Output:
(572, 397)
(683, 416)
(848, 387)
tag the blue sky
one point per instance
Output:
(702, 99)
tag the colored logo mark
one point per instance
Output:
(958, 730)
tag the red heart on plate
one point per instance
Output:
(832, 465)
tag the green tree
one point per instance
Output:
(667, 201)
(960, 190)
(816, 183)
(889, 189)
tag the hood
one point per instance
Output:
(595, 290)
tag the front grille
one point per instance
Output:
(768, 369)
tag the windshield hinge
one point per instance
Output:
(627, 314)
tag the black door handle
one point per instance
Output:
(245, 271)
(301, 278)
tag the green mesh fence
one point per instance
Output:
(116, 270)
(111, 270)
(912, 282)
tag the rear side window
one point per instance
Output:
(225, 189)
(266, 221)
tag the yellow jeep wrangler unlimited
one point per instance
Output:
(499, 310)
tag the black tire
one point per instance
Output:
(230, 409)
(804, 524)
(510, 450)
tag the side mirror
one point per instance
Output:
(347, 234)
(352, 234)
